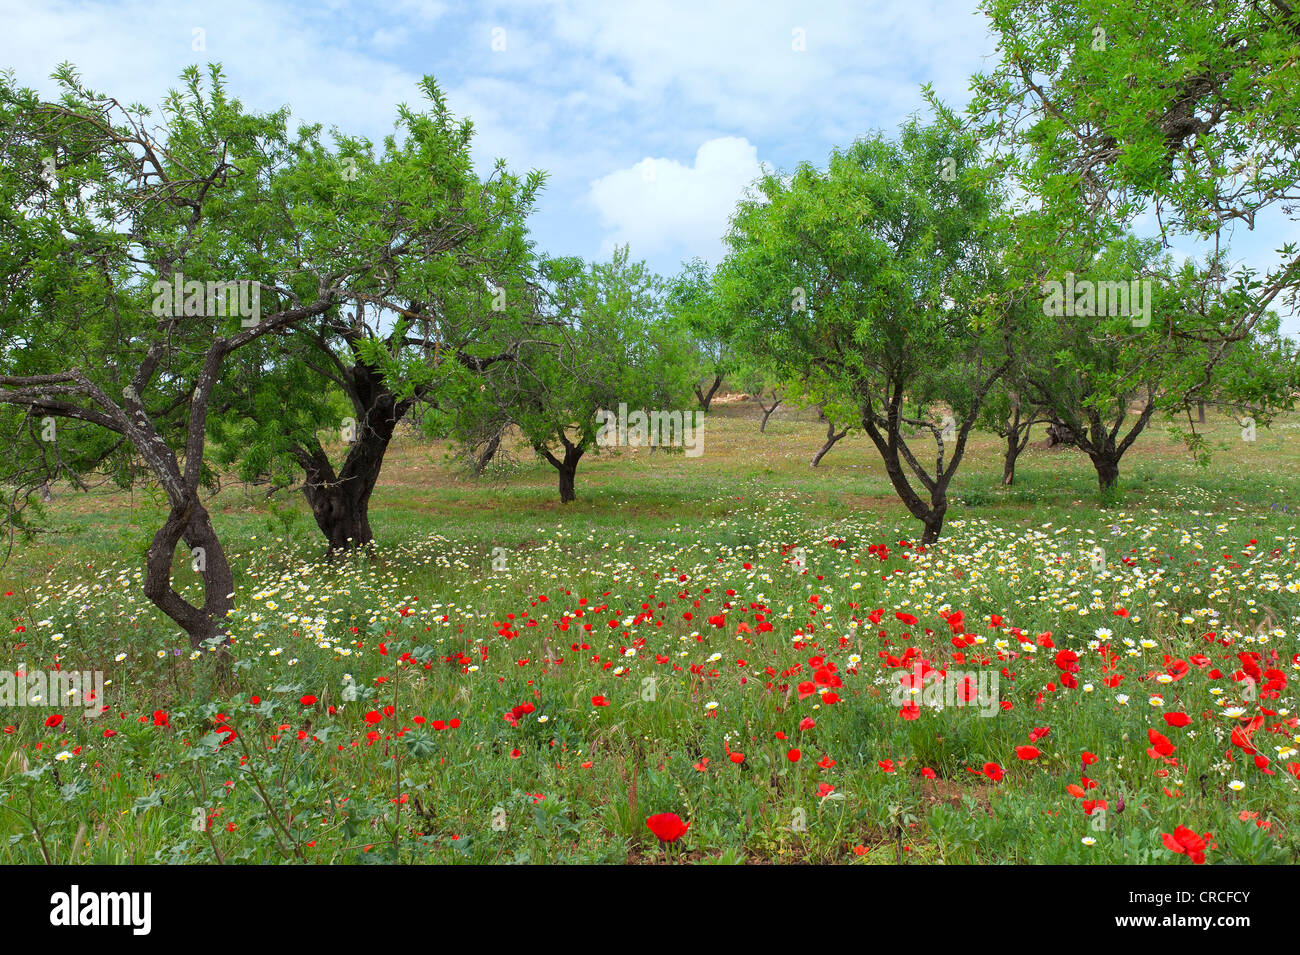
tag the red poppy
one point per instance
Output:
(1186, 842)
(1177, 719)
(993, 771)
(1027, 752)
(1160, 745)
(667, 826)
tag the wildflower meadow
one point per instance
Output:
(695, 664)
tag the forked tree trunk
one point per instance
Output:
(832, 437)
(566, 466)
(706, 398)
(931, 513)
(1017, 440)
(767, 412)
(340, 502)
(934, 523)
(489, 451)
(192, 524)
(1104, 450)
(1107, 466)
(899, 460)
(341, 511)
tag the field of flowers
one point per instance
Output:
(764, 683)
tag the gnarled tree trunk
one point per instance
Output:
(340, 502)
(1107, 465)
(885, 432)
(1104, 447)
(1017, 436)
(191, 522)
(490, 449)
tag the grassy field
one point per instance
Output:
(738, 639)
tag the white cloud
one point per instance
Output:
(660, 205)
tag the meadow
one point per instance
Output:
(738, 641)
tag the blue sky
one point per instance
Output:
(650, 117)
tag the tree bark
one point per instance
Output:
(894, 451)
(1017, 440)
(1009, 459)
(832, 437)
(568, 473)
(934, 523)
(489, 451)
(341, 513)
(1103, 447)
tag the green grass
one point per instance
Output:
(651, 539)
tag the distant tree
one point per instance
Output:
(825, 396)
(1008, 415)
(1144, 335)
(689, 297)
(603, 345)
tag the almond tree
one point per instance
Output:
(1140, 335)
(1104, 110)
(1014, 423)
(413, 330)
(142, 255)
(601, 339)
(874, 273)
(689, 297)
